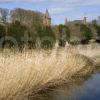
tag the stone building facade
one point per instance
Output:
(47, 19)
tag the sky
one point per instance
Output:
(58, 9)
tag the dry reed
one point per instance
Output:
(32, 70)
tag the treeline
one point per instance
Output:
(20, 28)
(19, 35)
(24, 28)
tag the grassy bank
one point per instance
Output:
(30, 71)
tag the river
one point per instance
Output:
(87, 88)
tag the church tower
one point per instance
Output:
(47, 19)
(66, 22)
(85, 20)
(0, 17)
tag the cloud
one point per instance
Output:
(59, 10)
(81, 2)
(7, 1)
(70, 3)
(57, 6)
(91, 2)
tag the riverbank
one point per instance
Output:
(24, 73)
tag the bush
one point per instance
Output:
(64, 34)
(86, 31)
(2, 31)
(17, 31)
(46, 36)
(97, 27)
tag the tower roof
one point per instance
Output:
(47, 14)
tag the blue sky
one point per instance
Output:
(59, 9)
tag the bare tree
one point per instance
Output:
(4, 14)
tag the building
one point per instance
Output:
(47, 19)
(77, 22)
(0, 17)
(85, 20)
(66, 21)
(8, 19)
(98, 20)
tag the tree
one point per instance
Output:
(98, 30)
(4, 14)
(94, 22)
(64, 34)
(46, 36)
(16, 30)
(97, 27)
(27, 17)
(86, 31)
(2, 31)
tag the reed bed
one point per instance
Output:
(90, 50)
(29, 71)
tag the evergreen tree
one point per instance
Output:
(17, 31)
(46, 36)
(64, 34)
(2, 31)
(86, 31)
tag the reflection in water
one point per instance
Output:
(79, 89)
(91, 89)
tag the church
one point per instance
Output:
(47, 19)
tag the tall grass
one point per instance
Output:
(23, 73)
(90, 50)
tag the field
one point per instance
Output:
(32, 70)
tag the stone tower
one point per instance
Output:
(0, 17)
(85, 20)
(47, 19)
(66, 21)
(98, 21)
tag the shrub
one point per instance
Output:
(64, 34)
(86, 31)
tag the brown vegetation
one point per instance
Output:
(23, 73)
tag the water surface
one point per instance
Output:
(80, 89)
